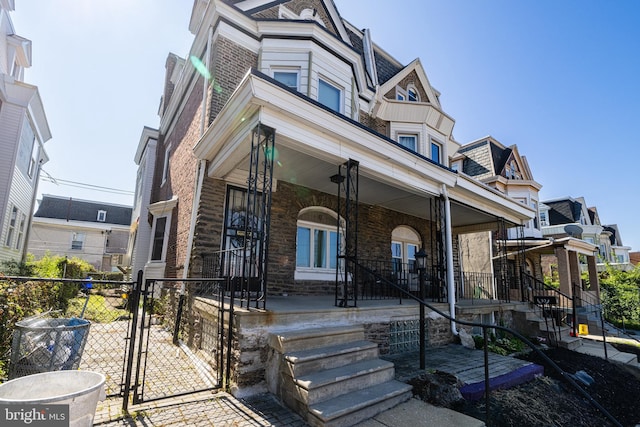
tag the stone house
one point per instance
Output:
(531, 246)
(311, 170)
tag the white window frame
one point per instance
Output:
(77, 240)
(13, 220)
(165, 165)
(328, 82)
(295, 71)
(21, 228)
(416, 140)
(434, 142)
(102, 216)
(161, 209)
(317, 273)
(412, 88)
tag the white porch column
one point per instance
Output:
(451, 286)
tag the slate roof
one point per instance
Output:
(70, 209)
(385, 68)
(564, 211)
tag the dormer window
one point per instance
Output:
(288, 78)
(409, 94)
(412, 94)
(329, 95)
(409, 141)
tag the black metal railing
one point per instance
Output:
(378, 279)
(405, 293)
(239, 271)
(475, 286)
(555, 307)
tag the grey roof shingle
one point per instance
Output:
(82, 210)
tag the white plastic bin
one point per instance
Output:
(81, 390)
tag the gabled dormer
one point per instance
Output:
(416, 120)
(504, 169)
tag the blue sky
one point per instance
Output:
(557, 78)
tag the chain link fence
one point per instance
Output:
(55, 324)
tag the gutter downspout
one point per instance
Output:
(202, 167)
(451, 287)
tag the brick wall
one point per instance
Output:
(297, 6)
(411, 78)
(230, 62)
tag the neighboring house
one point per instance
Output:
(145, 158)
(23, 132)
(570, 216)
(296, 158)
(620, 254)
(635, 258)
(93, 231)
(504, 169)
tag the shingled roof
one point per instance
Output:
(564, 211)
(67, 208)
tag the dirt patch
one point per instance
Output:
(549, 400)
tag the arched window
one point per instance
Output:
(405, 242)
(412, 94)
(316, 244)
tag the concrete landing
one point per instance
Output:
(467, 365)
(416, 413)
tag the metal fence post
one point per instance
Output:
(132, 342)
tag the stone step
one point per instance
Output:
(323, 385)
(570, 343)
(302, 362)
(288, 341)
(349, 409)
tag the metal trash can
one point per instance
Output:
(46, 345)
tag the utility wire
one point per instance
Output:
(59, 181)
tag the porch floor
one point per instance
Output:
(467, 365)
(327, 302)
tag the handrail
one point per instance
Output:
(561, 304)
(485, 327)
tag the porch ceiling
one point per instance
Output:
(302, 169)
(311, 143)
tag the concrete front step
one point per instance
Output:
(322, 385)
(349, 409)
(290, 341)
(302, 362)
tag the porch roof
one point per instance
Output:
(312, 141)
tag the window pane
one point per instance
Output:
(158, 239)
(435, 152)
(408, 141)
(287, 78)
(413, 95)
(333, 249)
(329, 95)
(303, 249)
(411, 256)
(320, 255)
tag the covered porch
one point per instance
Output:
(303, 163)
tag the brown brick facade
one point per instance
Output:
(411, 78)
(230, 63)
(375, 227)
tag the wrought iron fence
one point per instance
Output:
(378, 279)
(475, 286)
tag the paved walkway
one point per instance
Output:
(223, 410)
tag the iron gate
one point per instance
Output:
(172, 349)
